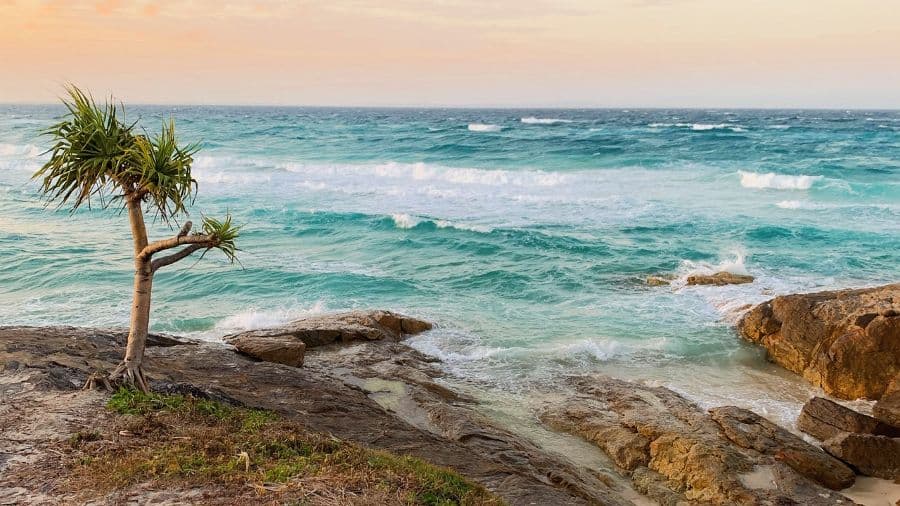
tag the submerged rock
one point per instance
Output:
(663, 441)
(341, 327)
(659, 280)
(719, 279)
(845, 341)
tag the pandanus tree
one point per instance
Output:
(98, 158)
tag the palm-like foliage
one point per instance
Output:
(225, 234)
(160, 170)
(95, 153)
(89, 154)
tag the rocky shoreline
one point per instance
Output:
(351, 375)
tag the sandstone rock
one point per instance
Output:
(824, 419)
(342, 327)
(658, 280)
(871, 455)
(887, 409)
(664, 442)
(277, 349)
(846, 341)
(719, 279)
(749, 430)
(654, 485)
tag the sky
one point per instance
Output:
(501, 53)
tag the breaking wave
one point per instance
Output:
(481, 127)
(771, 180)
(531, 120)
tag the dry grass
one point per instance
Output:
(176, 442)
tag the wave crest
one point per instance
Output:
(482, 127)
(406, 221)
(771, 180)
(531, 120)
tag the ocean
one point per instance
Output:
(526, 235)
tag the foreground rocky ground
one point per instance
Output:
(380, 394)
(350, 377)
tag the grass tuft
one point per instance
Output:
(175, 440)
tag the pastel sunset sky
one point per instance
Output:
(578, 53)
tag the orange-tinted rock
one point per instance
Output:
(846, 341)
(749, 430)
(674, 451)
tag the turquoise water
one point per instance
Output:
(526, 234)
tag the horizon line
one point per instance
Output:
(483, 107)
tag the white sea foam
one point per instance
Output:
(598, 349)
(428, 172)
(771, 180)
(19, 150)
(257, 319)
(734, 263)
(790, 204)
(221, 177)
(705, 126)
(462, 226)
(531, 120)
(481, 127)
(406, 221)
(778, 127)
(798, 204)
(403, 220)
(700, 127)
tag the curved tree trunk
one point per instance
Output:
(130, 369)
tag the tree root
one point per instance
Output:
(98, 380)
(130, 374)
(125, 374)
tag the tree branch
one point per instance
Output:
(206, 240)
(174, 257)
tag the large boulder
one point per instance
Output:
(346, 327)
(824, 419)
(845, 341)
(277, 349)
(719, 279)
(871, 455)
(672, 449)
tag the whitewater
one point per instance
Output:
(527, 235)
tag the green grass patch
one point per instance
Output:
(182, 440)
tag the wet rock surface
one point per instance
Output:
(673, 450)
(340, 328)
(846, 341)
(719, 279)
(381, 394)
